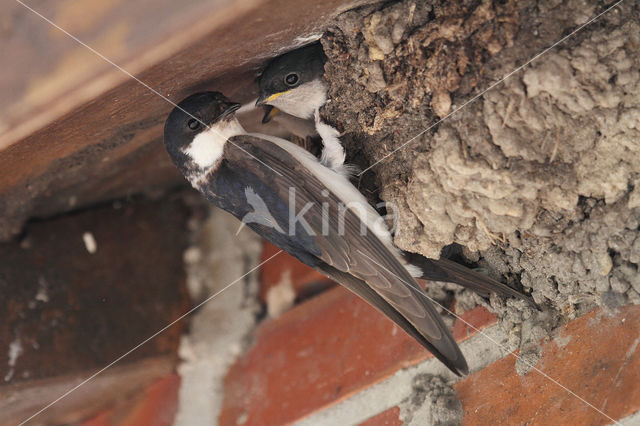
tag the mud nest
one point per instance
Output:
(539, 177)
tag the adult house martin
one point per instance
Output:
(312, 212)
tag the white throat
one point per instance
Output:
(303, 100)
(206, 148)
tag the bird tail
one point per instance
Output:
(447, 270)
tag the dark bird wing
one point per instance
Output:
(360, 261)
(450, 271)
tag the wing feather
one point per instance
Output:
(361, 255)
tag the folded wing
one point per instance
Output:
(359, 260)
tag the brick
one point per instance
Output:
(306, 281)
(74, 311)
(317, 354)
(390, 417)
(480, 315)
(595, 356)
(158, 406)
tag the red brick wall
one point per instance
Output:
(334, 346)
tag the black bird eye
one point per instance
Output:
(291, 78)
(193, 124)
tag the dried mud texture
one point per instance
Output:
(392, 69)
(539, 178)
(433, 402)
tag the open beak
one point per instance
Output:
(260, 100)
(269, 112)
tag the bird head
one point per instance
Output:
(293, 82)
(197, 128)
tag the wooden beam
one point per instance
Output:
(76, 130)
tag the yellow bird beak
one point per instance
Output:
(276, 95)
(261, 101)
(269, 113)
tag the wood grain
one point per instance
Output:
(76, 130)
